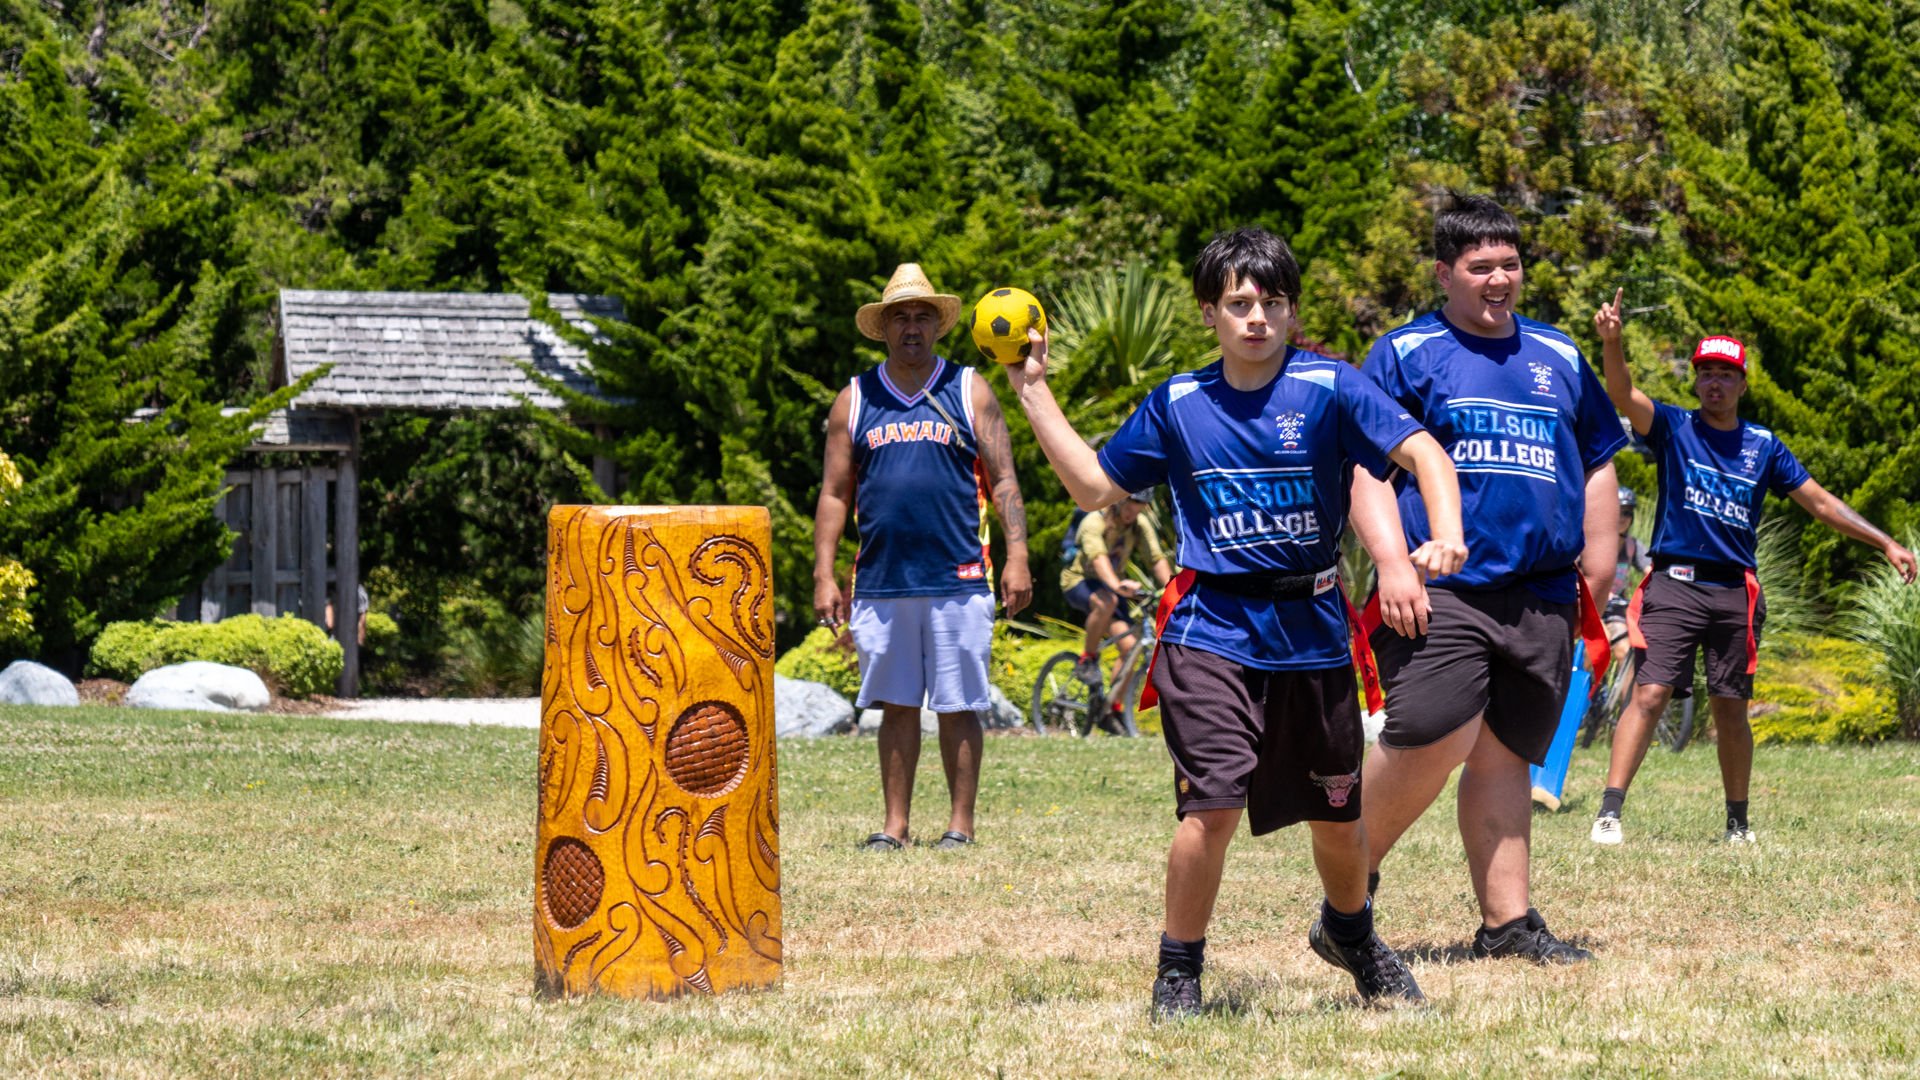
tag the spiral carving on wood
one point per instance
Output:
(659, 794)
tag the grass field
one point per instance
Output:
(189, 895)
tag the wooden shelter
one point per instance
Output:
(299, 528)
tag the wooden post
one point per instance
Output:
(657, 862)
(214, 592)
(264, 553)
(313, 537)
(346, 561)
(603, 473)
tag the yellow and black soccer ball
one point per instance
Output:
(999, 324)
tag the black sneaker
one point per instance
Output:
(1088, 671)
(1176, 995)
(1529, 939)
(1377, 971)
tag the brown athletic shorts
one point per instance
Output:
(1679, 617)
(1285, 745)
(1504, 652)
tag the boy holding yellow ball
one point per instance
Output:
(1253, 670)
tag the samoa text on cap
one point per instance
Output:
(908, 283)
(1722, 348)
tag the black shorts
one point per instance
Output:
(1679, 617)
(1285, 745)
(1503, 652)
(1080, 599)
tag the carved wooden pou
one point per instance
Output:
(657, 871)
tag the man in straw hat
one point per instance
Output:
(918, 445)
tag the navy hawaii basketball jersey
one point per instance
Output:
(920, 494)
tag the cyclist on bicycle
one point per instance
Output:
(1703, 594)
(1104, 542)
(1633, 559)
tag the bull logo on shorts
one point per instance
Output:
(1337, 787)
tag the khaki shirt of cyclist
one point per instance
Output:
(1096, 537)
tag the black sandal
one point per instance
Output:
(952, 840)
(882, 842)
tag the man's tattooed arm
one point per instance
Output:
(995, 447)
(996, 453)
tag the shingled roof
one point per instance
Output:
(404, 350)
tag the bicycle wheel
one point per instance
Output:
(1062, 702)
(1607, 707)
(1673, 731)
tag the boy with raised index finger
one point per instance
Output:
(1703, 594)
(1253, 672)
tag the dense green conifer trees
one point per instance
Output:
(745, 173)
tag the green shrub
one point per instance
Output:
(1885, 617)
(293, 656)
(1018, 658)
(824, 657)
(1813, 689)
(382, 633)
(502, 657)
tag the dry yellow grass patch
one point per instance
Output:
(282, 896)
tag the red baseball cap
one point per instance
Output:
(1724, 349)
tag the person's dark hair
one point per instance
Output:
(1464, 222)
(1254, 255)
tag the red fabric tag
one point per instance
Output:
(1169, 599)
(1594, 631)
(1753, 643)
(1634, 637)
(1359, 636)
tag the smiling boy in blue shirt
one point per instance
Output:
(1529, 428)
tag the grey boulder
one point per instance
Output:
(808, 710)
(201, 686)
(1003, 713)
(27, 683)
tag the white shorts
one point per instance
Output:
(924, 651)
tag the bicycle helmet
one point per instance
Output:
(1628, 500)
(1144, 495)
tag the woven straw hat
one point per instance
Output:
(908, 283)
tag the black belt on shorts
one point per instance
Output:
(1263, 584)
(1704, 573)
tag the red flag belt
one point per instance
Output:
(1182, 584)
(1639, 640)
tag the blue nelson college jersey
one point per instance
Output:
(1525, 418)
(1259, 481)
(1712, 485)
(919, 494)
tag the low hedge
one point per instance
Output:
(824, 657)
(1812, 689)
(293, 656)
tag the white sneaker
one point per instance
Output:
(1606, 830)
(1739, 834)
